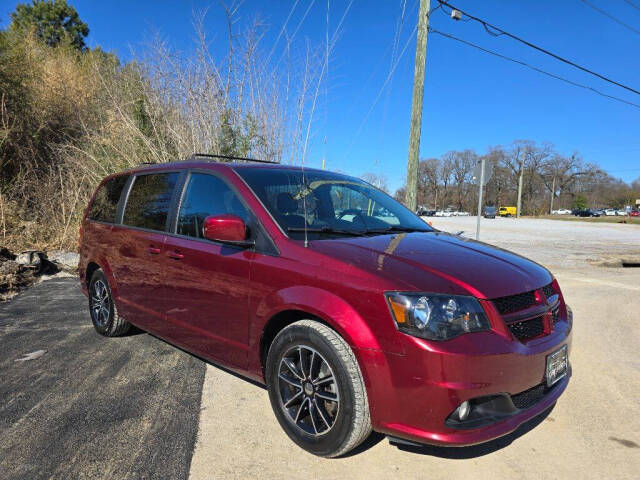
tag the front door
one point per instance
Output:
(207, 288)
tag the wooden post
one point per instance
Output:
(519, 204)
(416, 106)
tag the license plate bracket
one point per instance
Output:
(557, 366)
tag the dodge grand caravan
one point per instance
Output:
(355, 313)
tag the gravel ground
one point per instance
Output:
(553, 243)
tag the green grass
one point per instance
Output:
(604, 219)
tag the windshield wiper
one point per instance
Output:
(394, 228)
(328, 230)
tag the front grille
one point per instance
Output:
(527, 329)
(514, 303)
(529, 398)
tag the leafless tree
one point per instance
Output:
(378, 180)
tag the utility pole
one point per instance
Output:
(520, 184)
(416, 106)
(553, 193)
(480, 198)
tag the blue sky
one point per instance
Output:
(472, 100)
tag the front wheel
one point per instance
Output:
(316, 389)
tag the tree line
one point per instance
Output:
(550, 180)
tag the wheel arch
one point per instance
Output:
(279, 322)
(91, 268)
(299, 303)
(95, 264)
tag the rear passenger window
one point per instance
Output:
(149, 201)
(206, 195)
(105, 201)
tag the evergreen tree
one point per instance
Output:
(53, 21)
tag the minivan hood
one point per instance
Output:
(439, 262)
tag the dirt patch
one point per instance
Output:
(617, 261)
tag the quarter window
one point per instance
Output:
(206, 195)
(149, 201)
(105, 201)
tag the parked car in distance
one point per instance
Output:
(634, 213)
(490, 211)
(461, 214)
(443, 213)
(587, 213)
(507, 211)
(610, 212)
(354, 312)
(561, 211)
(426, 213)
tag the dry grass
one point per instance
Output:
(100, 117)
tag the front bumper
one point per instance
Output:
(411, 396)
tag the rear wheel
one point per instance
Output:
(316, 389)
(104, 313)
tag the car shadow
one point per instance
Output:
(371, 441)
(474, 451)
(204, 360)
(132, 332)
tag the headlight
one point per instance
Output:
(436, 317)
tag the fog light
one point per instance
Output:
(463, 411)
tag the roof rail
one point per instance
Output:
(229, 157)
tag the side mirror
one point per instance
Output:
(229, 229)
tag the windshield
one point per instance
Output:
(328, 204)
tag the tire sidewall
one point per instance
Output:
(332, 441)
(102, 329)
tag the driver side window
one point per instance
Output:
(206, 195)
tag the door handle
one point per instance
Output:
(175, 255)
(153, 250)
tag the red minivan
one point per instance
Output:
(355, 313)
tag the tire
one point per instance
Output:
(102, 309)
(332, 416)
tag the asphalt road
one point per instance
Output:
(90, 407)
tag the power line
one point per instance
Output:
(284, 26)
(611, 17)
(386, 82)
(384, 85)
(629, 2)
(394, 51)
(520, 62)
(488, 27)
